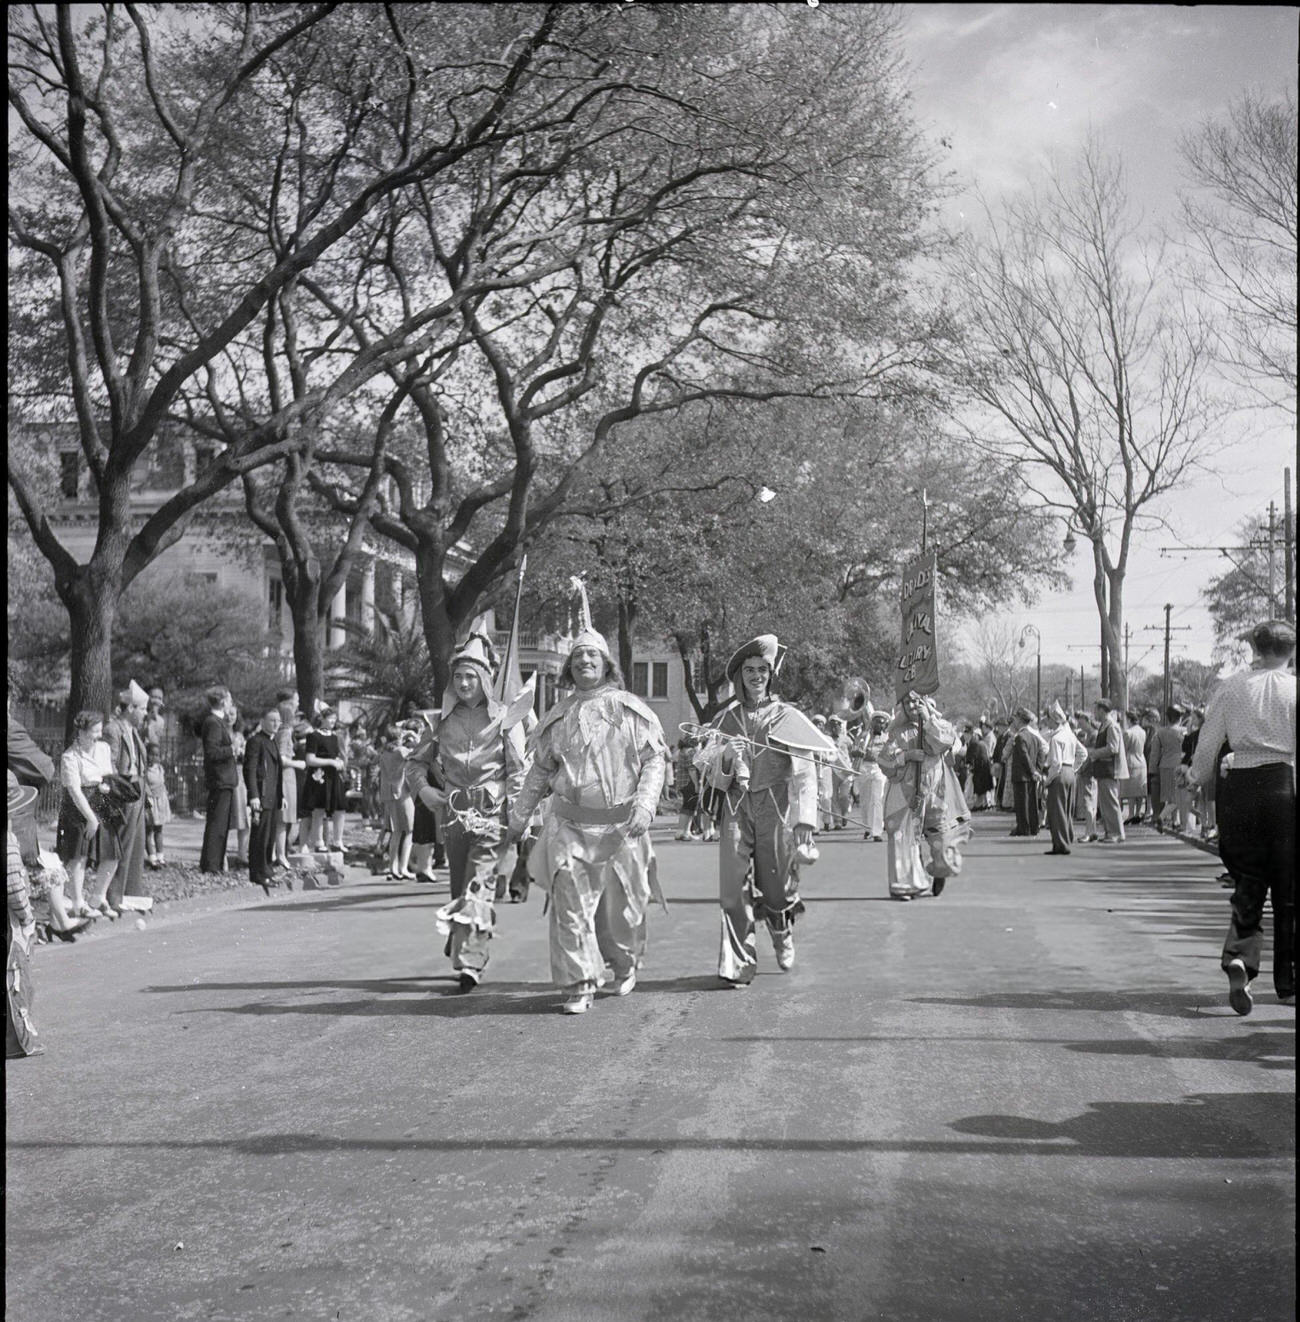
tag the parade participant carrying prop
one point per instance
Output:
(469, 771)
(600, 754)
(770, 809)
(924, 800)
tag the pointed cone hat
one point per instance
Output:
(476, 650)
(587, 635)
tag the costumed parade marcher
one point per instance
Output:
(871, 780)
(924, 800)
(769, 813)
(600, 752)
(469, 772)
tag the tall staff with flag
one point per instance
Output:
(519, 698)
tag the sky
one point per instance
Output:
(1008, 84)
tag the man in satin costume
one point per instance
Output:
(600, 754)
(768, 818)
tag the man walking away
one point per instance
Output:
(1255, 712)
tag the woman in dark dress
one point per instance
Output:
(324, 793)
(980, 766)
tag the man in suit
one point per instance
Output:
(219, 775)
(263, 778)
(122, 734)
(1026, 757)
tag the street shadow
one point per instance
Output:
(1174, 1004)
(1268, 1050)
(413, 997)
(1203, 1125)
(328, 903)
(416, 982)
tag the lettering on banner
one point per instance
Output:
(918, 661)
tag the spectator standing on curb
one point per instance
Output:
(397, 803)
(157, 805)
(263, 779)
(1133, 790)
(82, 838)
(1166, 755)
(122, 734)
(286, 832)
(1108, 762)
(219, 775)
(1065, 755)
(1255, 713)
(1026, 759)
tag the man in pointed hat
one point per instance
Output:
(769, 814)
(600, 753)
(469, 770)
(128, 889)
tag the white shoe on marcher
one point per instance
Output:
(578, 1003)
(783, 944)
(624, 985)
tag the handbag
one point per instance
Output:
(111, 798)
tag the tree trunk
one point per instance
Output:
(1114, 645)
(439, 628)
(91, 602)
(302, 590)
(688, 677)
(626, 619)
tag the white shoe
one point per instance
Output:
(579, 1003)
(625, 985)
(1239, 996)
(783, 944)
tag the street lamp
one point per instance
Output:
(1038, 677)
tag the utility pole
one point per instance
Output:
(1126, 632)
(1169, 688)
(1083, 706)
(1272, 557)
(1288, 549)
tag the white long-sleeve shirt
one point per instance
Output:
(1255, 712)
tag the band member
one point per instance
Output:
(924, 800)
(469, 771)
(769, 813)
(871, 780)
(600, 753)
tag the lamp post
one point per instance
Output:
(1038, 670)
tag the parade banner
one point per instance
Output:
(918, 659)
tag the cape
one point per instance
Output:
(625, 699)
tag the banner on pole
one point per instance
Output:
(918, 658)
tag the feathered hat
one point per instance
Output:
(587, 635)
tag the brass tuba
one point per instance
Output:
(854, 699)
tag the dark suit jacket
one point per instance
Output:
(1024, 756)
(262, 770)
(219, 768)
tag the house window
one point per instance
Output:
(275, 594)
(640, 679)
(203, 457)
(660, 675)
(69, 471)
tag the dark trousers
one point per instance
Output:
(1257, 845)
(1025, 797)
(129, 877)
(216, 827)
(261, 843)
(1060, 802)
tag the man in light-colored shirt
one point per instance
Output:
(1065, 755)
(1255, 712)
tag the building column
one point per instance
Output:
(338, 612)
(368, 597)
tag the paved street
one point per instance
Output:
(1026, 1100)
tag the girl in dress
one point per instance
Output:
(157, 807)
(324, 791)
(239, 810)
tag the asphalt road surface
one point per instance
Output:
(1025, 1100)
